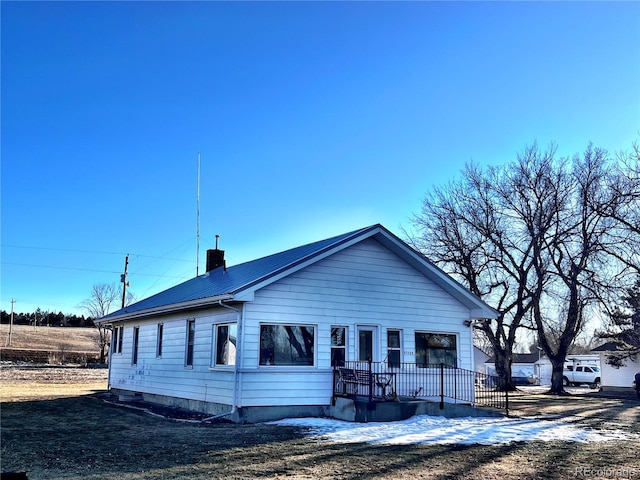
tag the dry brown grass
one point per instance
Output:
(24, 383)
(62, 437)
(50, 338)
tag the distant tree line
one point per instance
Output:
(44, 318)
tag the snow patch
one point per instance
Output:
(425, 429)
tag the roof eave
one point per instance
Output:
(165, 309)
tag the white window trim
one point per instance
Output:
(214, 347)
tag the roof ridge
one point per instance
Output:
(306, 245)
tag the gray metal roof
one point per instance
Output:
(239, 281)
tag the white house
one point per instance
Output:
(259, 340)
(479, 360)
(616, 378)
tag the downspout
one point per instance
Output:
(236, 373)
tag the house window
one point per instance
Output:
(116, 341)
(394, 348)
(338, 346)
(435, 348)
(365, 344)
(225, 338)
(120, 337)
(159, 340)
(191, 338)
(287, 345)
(134, 355)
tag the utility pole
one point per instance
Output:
(198, 219)
(123, 279)
(10, 323)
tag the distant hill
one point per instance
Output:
(49, 344)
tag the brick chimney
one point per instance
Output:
(215, 259)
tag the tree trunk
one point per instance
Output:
(557, 384)
(503, 370)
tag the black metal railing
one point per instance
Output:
(380, 381)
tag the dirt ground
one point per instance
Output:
(55, 424)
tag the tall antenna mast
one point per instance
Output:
(198, 219)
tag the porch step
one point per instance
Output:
(360, 410)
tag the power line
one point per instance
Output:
(94, 252)
(83, 269)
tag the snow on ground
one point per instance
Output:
(424, 429)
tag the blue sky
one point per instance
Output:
(312, 119)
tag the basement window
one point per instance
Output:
(287, 345)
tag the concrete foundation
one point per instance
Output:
(349, 409)
(239, 415)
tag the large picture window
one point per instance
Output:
(287, 345)
(435, 348)
(225, 344)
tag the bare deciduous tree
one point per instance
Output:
(539, 239)
(99, 304)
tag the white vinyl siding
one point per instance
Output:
(363, 285)
(166, 375)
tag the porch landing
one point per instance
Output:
(359, 409)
